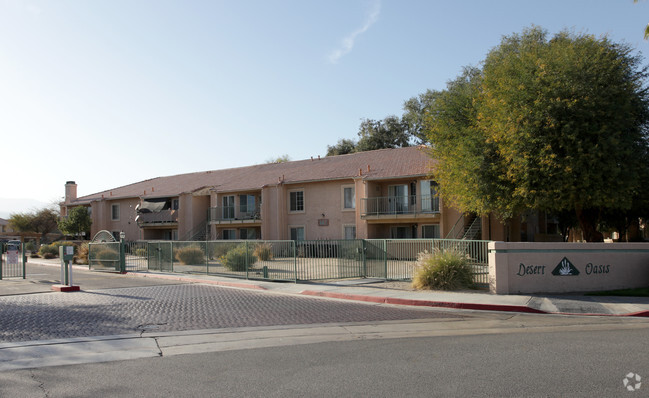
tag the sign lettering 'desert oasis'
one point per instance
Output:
(564, 268)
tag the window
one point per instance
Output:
(430, 231)
(401, 233)
(229, 234)
(349, 198)
(297, 233)
(429, 198)
(115, 234)
(114, 212)
(228, 207)
(174, 234)
(350, 232)
(247, 204)
(296, 201)
(174, 204)
(247, 233)
(398, 198)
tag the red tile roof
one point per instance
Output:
(380, 164)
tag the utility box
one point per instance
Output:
(66, 253)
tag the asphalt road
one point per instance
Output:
(523, 363)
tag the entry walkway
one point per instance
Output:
(42, 274)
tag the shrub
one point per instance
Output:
(49, 251)
(444, 270)
(82, 254)
(34, 255)
(107, 257)
(219, 249)
(190, 255)
(30, 246)
(140, 252)
(264, 252)
(64, 243)
(235, 259)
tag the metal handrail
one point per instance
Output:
(233, 213)
(407, 204)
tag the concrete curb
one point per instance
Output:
(426, 303)
(241, 285)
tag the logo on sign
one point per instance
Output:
(565, 268)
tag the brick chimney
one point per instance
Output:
(70, 191)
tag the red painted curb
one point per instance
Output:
(66, 288)
(209, 282)
(464, 306)
(426, 303)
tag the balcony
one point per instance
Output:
(396, 207)
(159, 218)
(235, 214)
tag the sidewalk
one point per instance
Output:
(368, 290)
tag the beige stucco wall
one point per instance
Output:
(320, 198)
(523, 268)
(101, 217)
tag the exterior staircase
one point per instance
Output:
(474, 231)
(467, 227)
(199, 233)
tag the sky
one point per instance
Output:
(112, 92)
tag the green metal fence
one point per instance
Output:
(389, 259)
(136, 256)
(105, 256)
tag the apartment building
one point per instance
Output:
(379, 194)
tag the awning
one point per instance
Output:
(152, 206)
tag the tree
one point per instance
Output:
(391, 132)
(279, 159)
(414, 115)
(45, 221)
(21, 222)
(77, 221)
(41, 221)
(388, 133)
(343, 147)
(553, 125)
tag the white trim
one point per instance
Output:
(303, 201)
(342, 201)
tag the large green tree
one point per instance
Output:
(41, 221)
(77, 221)
(556, 124)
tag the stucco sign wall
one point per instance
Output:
(566, 267)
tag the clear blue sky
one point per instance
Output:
(111, 92)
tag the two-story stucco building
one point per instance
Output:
(376, 194)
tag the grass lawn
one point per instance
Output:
(639, 292)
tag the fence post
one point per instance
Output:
(363, 257)
(22, 255)
(247, 254)
(385, 258)
(122, 256)
(294, 246)
(2, 251)
(207, 259)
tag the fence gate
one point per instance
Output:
(12, 261)
(160, 256)
(104, 256)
